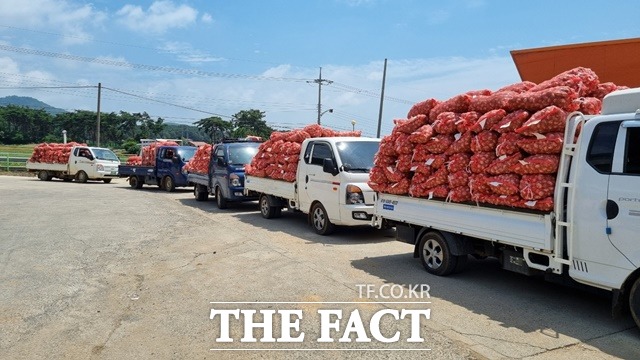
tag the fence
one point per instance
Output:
(13, 162)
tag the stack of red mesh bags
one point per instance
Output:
(53, 153)
(134, 160)
(199, 164)
(490, 147)
(277, 158)
(149, 151)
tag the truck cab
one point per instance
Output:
(228, 161)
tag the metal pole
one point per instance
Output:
(384, 77)
(319, 95)
(98, 125)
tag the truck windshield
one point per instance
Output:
(242, 155)
(357, 156)
(186, 153)
(104, 154)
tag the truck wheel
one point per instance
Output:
(135, 183)
(200, 192)
(268, 211)
(168, 184)
(82, 177)
(221, 202)
(67, 179)
(320, 220)
(106, 181)
(44, 175)
(435, 255)
(634, 302)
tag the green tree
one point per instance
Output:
(216, 128)
(250, 122)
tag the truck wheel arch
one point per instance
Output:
(458, 245)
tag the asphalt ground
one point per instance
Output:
(107, 272)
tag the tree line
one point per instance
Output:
(21, 125)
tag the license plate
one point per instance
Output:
(114, 172)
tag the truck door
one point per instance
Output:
(623, 200)
(219, 170)
(315, 184)
(82, 160)
(164, 164)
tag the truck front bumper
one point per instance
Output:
(355, 215)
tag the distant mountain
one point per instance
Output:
(30, 103)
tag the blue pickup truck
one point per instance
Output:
(225, 178)
(165, 173)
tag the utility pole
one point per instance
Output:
(98, 125)
(320, 81)
(384, 77)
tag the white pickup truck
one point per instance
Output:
(85, 163)
(330, 185)
(592, 235)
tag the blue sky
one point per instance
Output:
(184, 60)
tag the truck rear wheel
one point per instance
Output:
(44, 175)
(435, 255)
(200, 192)
(168, 184)
(106, 181)
(82, 177)
(320, 220)
(221, 202)
(634, 302)
(266, 210)
(135, 183)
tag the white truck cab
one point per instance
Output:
(85, 163)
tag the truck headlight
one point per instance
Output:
(354, 195)
(234, 180)
(100, 167)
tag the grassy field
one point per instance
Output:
(17, 150)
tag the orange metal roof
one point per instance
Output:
(617, 61)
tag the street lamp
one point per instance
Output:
(64, 136)
(353, 125)
(322, 113)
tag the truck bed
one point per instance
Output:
(279, 188)
(139, 170)
(201, 179)
(511, 227)
(47, 166)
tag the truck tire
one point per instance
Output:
(266, 210)
(435, 254)
(634, 302)
(44, 175)
(221, 202)
(82, 177)
(200, 192)
(135, 182)
(106, 181)
(320, 220)
(67, 179)
(168, 184)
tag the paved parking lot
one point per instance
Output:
(103, 271)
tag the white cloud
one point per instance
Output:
(161, 16)
(206, 18)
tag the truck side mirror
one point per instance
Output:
(329, 166)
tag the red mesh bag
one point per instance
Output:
(488, 120)
(421, 168)
(499, 200)
(545, 204)
(483, 104)
(481, 92)
(291, 159)
(379, 187)
(461, 144)
(458, 178)
(446, 123)
(199, 163)
(422, 108)
(505, 184)
(313, 130)
(549, 119)
(582, 80)
(537, 164)
(377, 175)
(383, 160)
(519, 88)
(589, 105)
(508, 144)
(603, 90)
(561, 96)
(410, 125)
(457, 104)
(542, 144)
(484, 141)
(355, 133)
(439, 143)
(388, 145)
(480, 161)
(435, 161)
(459, 194)
(278, 135)
(503, 164)
(422, 135)
(393, 174)
(511, 121)
(466, 121)
(478, 184)
(420, 152)
(297, 136)
(291, 148)
(439, 177)
(289, 176)
(458, 162)
(403, 145)
(134, 160)
(539, 186)
(328, 132)
(440, 191)
(404, 163)
(399, 188)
